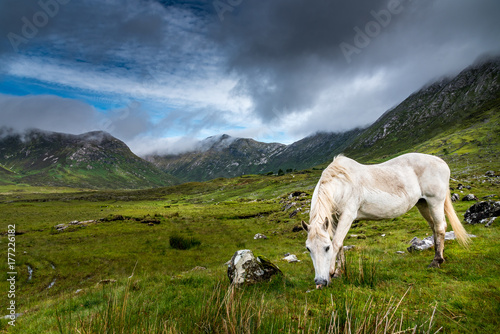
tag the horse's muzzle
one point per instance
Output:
(320, 282)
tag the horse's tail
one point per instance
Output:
(460, 232)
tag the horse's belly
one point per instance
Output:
(384, 206)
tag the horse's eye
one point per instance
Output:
(327, 248)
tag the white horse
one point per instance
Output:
(349, 191)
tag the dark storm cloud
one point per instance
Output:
(290, 54)
(46, 112)
(83, 30)
(57, 114)
(287, 52)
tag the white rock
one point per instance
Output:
(291, 258)
(244, 267)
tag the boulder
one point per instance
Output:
(455, 197)
(259, 236)
(291, 258)
(469, 197)
(245, 268)
(490, 173)
(417, 244)
(61, 227)
(481, 210)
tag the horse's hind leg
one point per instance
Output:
(434, 214)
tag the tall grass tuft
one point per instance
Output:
(227, 311)
(362, 272)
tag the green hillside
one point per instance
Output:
(91, 160)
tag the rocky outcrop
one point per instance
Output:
(295, 203)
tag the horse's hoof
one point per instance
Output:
(434, 265)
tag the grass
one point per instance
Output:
(226, 309)
(163, 289)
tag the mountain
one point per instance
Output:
(219, 156)
(90, 160)
(443, 105)
(225, 156)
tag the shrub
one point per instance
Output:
(182, 243)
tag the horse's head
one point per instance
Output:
(319, 245)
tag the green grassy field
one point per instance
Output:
(121, 275)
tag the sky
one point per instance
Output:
(161, 75)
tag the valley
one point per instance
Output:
(94, 226)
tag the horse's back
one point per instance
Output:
(390, 189)
(432, 173)
(416, 175)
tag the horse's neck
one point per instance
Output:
(326, 203)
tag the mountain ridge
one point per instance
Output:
(230, 156)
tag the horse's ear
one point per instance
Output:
(325, 225)
(305, 226)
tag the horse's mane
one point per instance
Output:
(325, 207)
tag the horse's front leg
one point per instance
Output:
(343, 226)
(338, 264)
